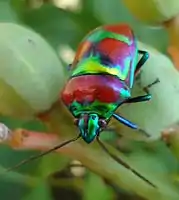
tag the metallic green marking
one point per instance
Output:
(104, 110)
(102, 34)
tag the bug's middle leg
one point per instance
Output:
(146, 88)
(142, 98)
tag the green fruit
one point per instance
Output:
(31, 74)
(153, 11)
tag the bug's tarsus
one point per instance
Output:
(42, 154)
(130, 124)
(144, 132)
(146, 88)
(124, 164)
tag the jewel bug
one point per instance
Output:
(101, 78)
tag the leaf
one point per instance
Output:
(39, 191)
(95, 188)
(67, 28)
(51, 164)
(56, 25)
(14, 184)
(6, 12)
(12, 190)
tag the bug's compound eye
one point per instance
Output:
(102, 123)
(76, 121)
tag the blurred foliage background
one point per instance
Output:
(63, 23)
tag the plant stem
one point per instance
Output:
(94, 159)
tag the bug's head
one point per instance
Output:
(90, 125)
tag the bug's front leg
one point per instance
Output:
(130, 124)
(146, 97)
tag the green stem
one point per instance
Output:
(96, 160)
(18, 178)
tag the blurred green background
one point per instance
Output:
(63, 23)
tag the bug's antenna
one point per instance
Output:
(124, 164)
(31, 158)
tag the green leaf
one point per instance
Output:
(39, 192)
(56, 25)
(67, 28)
(95, 188)
(6, 12)
(50, 164)
(13, 191)
(14, 184)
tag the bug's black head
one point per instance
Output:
(90, 125)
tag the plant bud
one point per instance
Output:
(31, 74)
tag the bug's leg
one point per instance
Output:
(144, 58)
(122, 162)
(146, 88)
(146, 97)
(130, 124)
